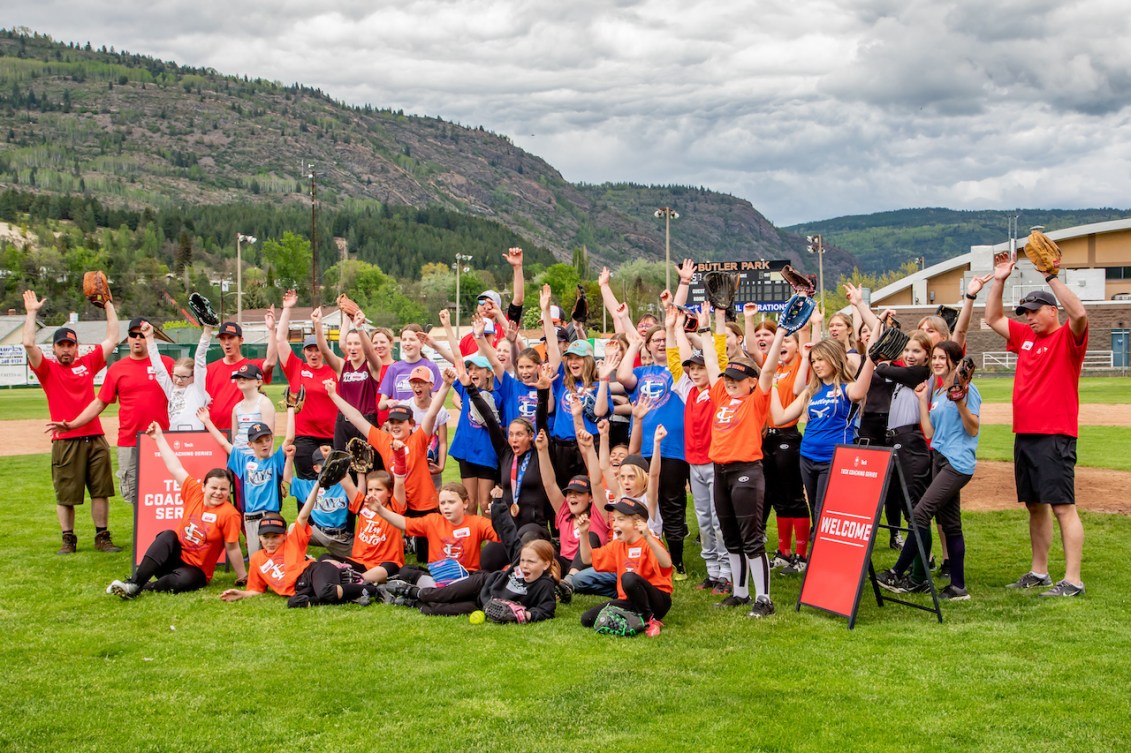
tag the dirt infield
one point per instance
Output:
(1091, 414)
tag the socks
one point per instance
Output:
(98, 530)
(760, 575)
(785, 535)
(799, 527)
(739, 572)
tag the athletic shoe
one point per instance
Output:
(1031, 580)
(652, 628)
(944, 569)
(723, 586)
(888, 578)
(797, 566)
(762, 607)
(706, 584)
(404, 601)
(369, 594)
(680, 573)
(895, 542)
(299, 601)
(103, 543)
(902, 585)
(564, 590)
(124, 589)
(398, 587)
(780, 560)
(1064, 588)
(954, 593)
(916, 588)
(734, 601)
(70, 544)
(931, 563)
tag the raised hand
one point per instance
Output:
(749, 309)
(545, 297)
(1003, 265)
(154, 430)
(582, 523)
(290, 450)
(359, 319)
(545, 377)
(977, 283)
(445, 317)
(855, 297)
(686, 271)
(330, 385)
(541, 441)
(31, 303)
(641, 407)
(513, 256)
(666, 297)
(603, 427)
(584, 439)
(450, 375)
(290, 298)
(576, 405)
(603, 278)
(609, 365)
(661, 432)
(316, 316)
(478, 325)
(671, 315)
(146, 330)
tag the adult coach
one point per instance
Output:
(1046, 408)
(219, 383)
(80, 458)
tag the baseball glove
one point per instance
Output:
(889, 345)
(361, 455)
(295, 399)
(613, 620)
(334, 469)
(1043, 252)
(803, 284)
(721, 288)
(962, 376)
(580, 306)
(96, 288)
(949, 315)
(202, 310)
(797, 311)
(347, 306)
(504, 610)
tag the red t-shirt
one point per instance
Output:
(736, 428)
(447, 541)
(698, 412)
(382, 415)
(620, 557)
(280, 571)
(1046, 388)
(418, 486)
(69, 389)
(224, 392)
(316, 419)
(376, 540)
(204, 531)
(570, 542)
(133, 384)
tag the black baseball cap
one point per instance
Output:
(272, 522)
(248, 371)
(317, 457)
(136, 323)
(627, 506)
(400, 413)
(1034, 300)
(257, 430)
(739, 371)
(696, 358)
(579, 484)
(636, 460)
(65, 334)
(230, 328)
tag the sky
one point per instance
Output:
(809, 109)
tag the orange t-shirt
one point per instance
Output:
(280, 571)
(736, 428)
(447, 541)
(376, 539)
(420, 491)
(620, 557)
(784, 379)
(203, 531)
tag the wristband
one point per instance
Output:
(971, 297)
(702, 330)
(1051, 277)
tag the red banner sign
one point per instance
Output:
(842, 540)
(159, 506)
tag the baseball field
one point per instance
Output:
(1006, 671)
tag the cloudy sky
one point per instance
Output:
(810, 109)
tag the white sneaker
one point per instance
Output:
(124, 589)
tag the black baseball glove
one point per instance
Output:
(580, 306)
(721, 288)
(949, 315)
(504, 610)
(889, 345)
(962, 376)
(202, 310)
(334, 469)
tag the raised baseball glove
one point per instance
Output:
(962, 376)
(580, 306)
(96, 288)
(361, 455)
(889, 345)
(797, 311)
(202, 310)
(949, 315)
(802, 283)
(721, 288)
(295, 399)
(504, 610)
(1043, 252)
(347, 306)
(334, 469)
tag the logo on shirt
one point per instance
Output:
(1027, 345)
(528, 406)
(273, 570)
(635, 552)
(79, 370)
(355, 376)
(306, 373)
(194, 534)
(657, 387)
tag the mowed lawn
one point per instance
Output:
(1006, 671)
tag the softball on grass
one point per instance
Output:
(477, 617)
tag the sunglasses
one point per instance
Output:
(137, 334)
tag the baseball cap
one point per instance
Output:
(555, 314)
(579, 484)
(421, 374)
(477, 360)
(400, 413)
(136, 323)
(317, 457)
(272, 522)
(637, 460)
(258, 430)
(696, 358)
(65, 334)
(579, 348)
(310, 341)
(247, 371)
(739, 371)
(230, 328)
(626, 505)
(491, 294)
(1034, 300)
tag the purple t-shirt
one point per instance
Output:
(395, 385)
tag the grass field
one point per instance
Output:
(1096, 447)
(1007, 671)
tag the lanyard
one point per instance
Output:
(517, 473)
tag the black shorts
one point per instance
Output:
(1044, 467)
(474, 470)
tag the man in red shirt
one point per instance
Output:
(132, 382)
(219, 384)
(1046, 409)
(80, 458)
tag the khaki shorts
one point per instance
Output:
(127, 473)
(81, 464)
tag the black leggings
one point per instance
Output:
(815, 476)
(674, 475)
(643, 598)
(163, 560)
(739, 495)
(781, 465)
(321, 580)
(914, 458)
(461, 597)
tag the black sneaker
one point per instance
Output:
(954, 593)
(706, 584)
(404, 601)
(911, 587)
(1031, 580)
(1064, 588)
(780, 560)
(734, 601)
(944, 569)
(762, 607)
(795, 567)
(888, 579)
(399, 587)
(895, 541)
(564, 590)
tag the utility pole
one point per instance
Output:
(667, 214)
(313, 238)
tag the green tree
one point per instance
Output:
(289, 258)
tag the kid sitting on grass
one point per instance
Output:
(330, 517)
(642, 565)
(378, 545)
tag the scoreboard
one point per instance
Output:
(759, 282)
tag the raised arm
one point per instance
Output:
(995, 313)
(858, 390)
(205, 417)
(200, 359)
(393, 518)
(607, 474)
(1077, 315)
(962, 326)
(770, 365)
(111, 341)
(324, 348)
(625, 374)
(686, 272)
(159, 373)
(445, 349)
(272, 354)
(654, 471)
(640, 408)
(546, 468)
(612, 305)
(785, 414)
(32, 305)
(487, 350)
(172, 462)
(513, 256)
(429, 422)
(308, 506)
(605, 373)
(494, 429)
(749, 327)
(282, 329)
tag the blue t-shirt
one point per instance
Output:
(472, 443)
(518, 400)
(831, 422)
(656, 382)
(259, 479)
(950, 437)
(331, 509)
(561, 422)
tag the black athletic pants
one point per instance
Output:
(739, 495)
(674, 475)
(643, 598)
(320, 582)
(461, 597)
(781, 465)
(163, 560)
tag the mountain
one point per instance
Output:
(885, 240)
(136, 131)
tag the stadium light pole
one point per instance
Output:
(667, 214)
(460, 267)
(240, 239)
(817, 246)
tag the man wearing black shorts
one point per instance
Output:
(1046, 408)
